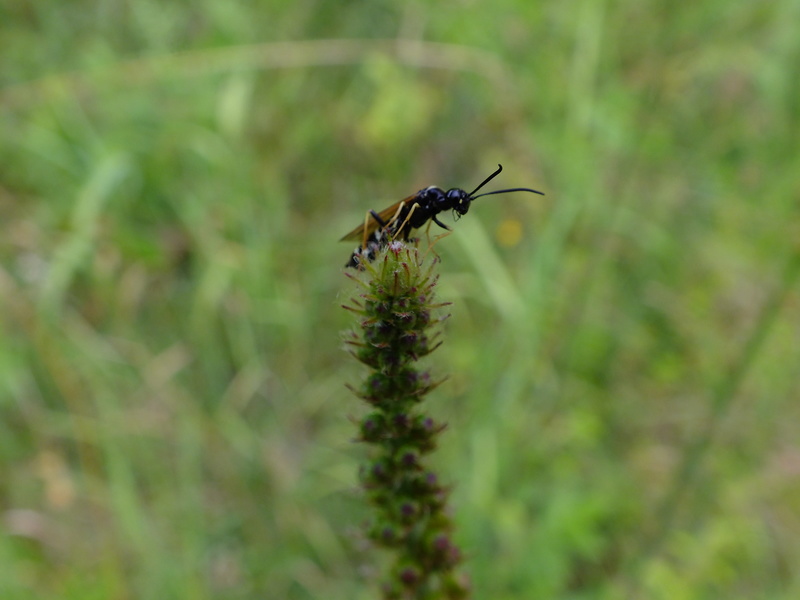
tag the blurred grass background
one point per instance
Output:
(623, 355)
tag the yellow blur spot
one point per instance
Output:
(509, 232)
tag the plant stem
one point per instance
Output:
(395, 311)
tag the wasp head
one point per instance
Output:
(458, 200)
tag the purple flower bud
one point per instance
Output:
(401, 421)
(409, 458)
(409, 576)
(408, 510)
(441, 543)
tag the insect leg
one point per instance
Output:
(438, 237)
(397, 214)
(439, 223)
(377, 217)
(435, 240)
(399, 230)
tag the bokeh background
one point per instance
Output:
(622, 353)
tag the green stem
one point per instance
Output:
(395, 311)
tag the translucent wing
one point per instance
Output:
(387, 216)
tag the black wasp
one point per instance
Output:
(399, 219)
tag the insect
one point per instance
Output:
(399, 219)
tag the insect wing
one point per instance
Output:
(387, 216)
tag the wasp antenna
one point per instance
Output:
(487, 180)
(508, 190)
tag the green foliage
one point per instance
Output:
(623, 381)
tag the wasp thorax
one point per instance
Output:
(432, 197)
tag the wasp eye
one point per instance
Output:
(456, 196)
